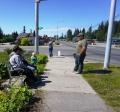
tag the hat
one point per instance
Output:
(15, 48)
(80, 34)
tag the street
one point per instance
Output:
(95, 53)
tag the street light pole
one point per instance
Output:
(109, 35)
(57, 31)
(36, 25)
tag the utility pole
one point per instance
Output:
(36, 25)
(57, 31)
(109, 34)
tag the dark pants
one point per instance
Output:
(29, 76)
(79, 59)
(50, 52)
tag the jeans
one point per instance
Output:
(50, 52)
(79, 59)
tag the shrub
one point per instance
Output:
(42, 59)
(40, 68)
(15, 100)
(3, 71)
(8, 50)
(3, 57)
(24, 41)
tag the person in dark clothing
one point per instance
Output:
(51, 48)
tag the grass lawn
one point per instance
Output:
(105, 82)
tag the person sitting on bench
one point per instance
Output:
(17, 62)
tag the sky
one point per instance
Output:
(56, 16)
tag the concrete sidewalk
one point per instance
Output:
(66, 91)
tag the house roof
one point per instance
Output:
(25, 35)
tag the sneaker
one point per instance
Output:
(79, 72)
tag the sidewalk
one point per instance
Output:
(65, 91)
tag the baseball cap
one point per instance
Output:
(80, 34)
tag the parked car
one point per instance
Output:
(115, 41)
(57, 42)
(91, 41)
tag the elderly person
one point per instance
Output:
(17, 62)
(81, 49)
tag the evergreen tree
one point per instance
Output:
(101, 34)
(14, 35)
(69, 35)
(118, 30)
(61, 37)
(89, 33)
(1, 34)
(83, 31)
(80, 31)
(24, 29)
(76, 32)
(34, 33)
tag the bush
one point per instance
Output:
(3, 71)
(42, 59)
(15, 100)
(3, 57)
(40, 68)
(24, 41)
(8, 50)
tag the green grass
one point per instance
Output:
(3, 57)
(106, 83)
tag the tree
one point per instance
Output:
(76, 32)
(83, 31)
(14, 35)
(69, 35)
(89, 33)
(118, 30)
(61, 37)
(34, 33)
(101, 33)
(24, 41)
(24, 29)
(1, 34)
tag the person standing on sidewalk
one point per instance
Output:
(81, 49)
(51, 48)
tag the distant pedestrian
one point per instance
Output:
(80, 53)
(51, 48)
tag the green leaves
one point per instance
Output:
(25, 41)
(42, 59)
(40, 68)
(3, 71)
(15, 100)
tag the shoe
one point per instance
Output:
(74, 70)
(79, 73)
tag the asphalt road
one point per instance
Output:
(97, 53)
(67, 49)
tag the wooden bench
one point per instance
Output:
(15, 75)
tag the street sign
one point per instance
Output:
(40, 28)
